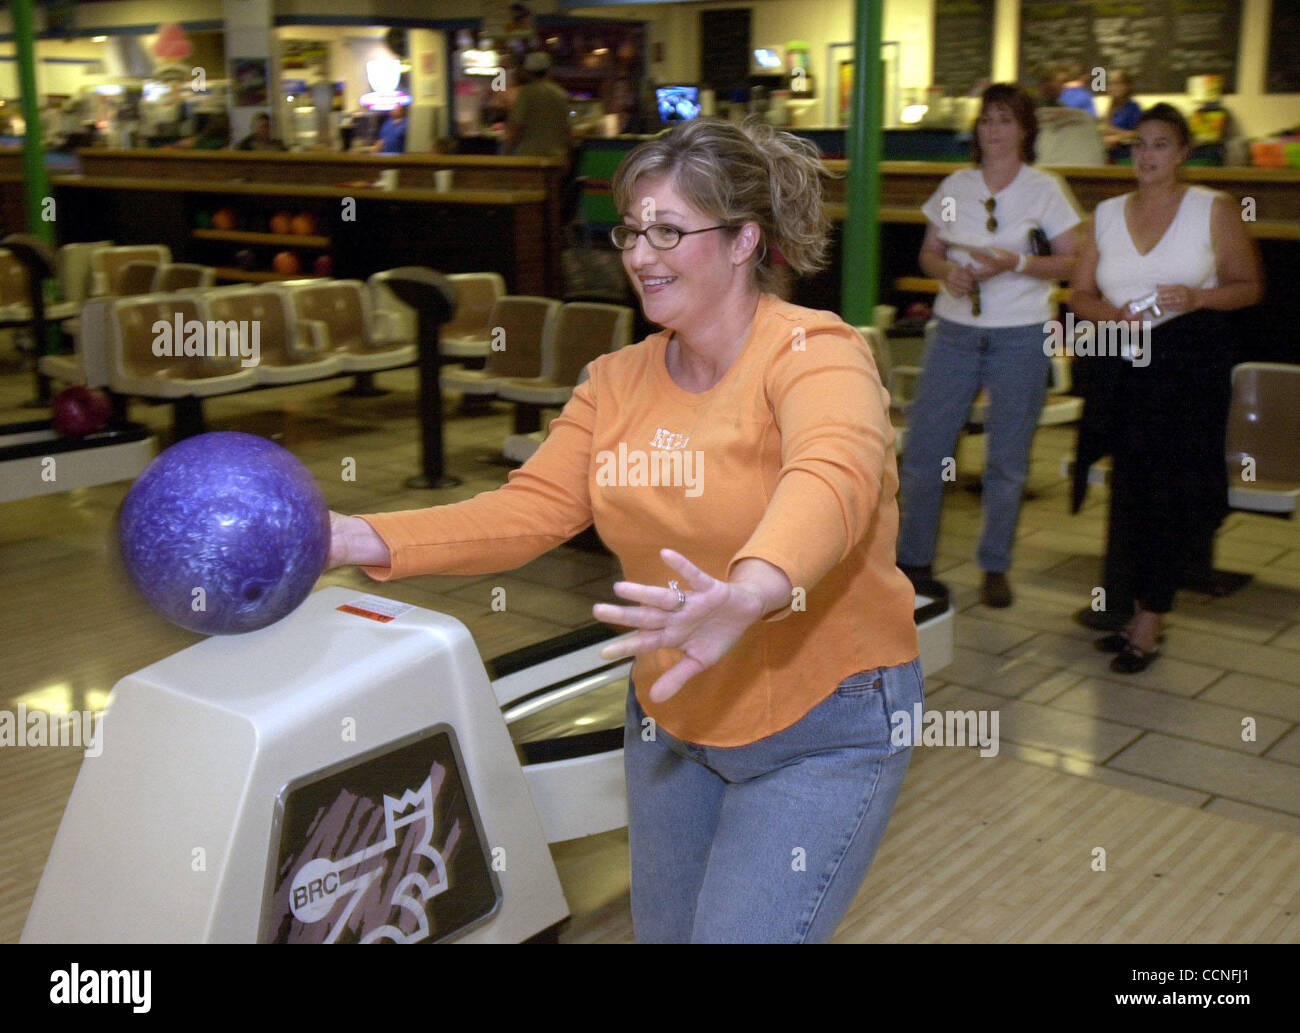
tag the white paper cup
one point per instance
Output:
(442, 180)
(388, 179)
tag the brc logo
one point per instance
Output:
(314, 889)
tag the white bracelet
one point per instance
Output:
(1024, 261)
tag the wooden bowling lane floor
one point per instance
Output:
(993, 850)
(979, 850)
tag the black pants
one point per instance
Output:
(1169, 487)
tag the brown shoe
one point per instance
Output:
(995, 592)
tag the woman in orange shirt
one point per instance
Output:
(740, 464)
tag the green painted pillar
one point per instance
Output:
(36, 183)
(860, 270)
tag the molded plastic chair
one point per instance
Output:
(179, 276)
(469, 334)
(1263, 440)
(75, 271)
(526, 324)
(107, 264)
(136, 278)
(281, 357)
(583, 331)
(333, 317)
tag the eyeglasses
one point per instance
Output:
(662, 237)
(989, 205)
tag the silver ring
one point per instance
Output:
(681, 596)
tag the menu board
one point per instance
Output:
(1284, 48)
(1161, 42)
(963, 44)
(724, 49)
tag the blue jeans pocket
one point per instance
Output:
(861, 683)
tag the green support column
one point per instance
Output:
(860, 270)
(36, 183)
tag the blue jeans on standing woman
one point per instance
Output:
(1010, 362)
(768, 842)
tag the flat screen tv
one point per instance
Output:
(677, 103)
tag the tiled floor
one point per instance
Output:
(1214, 724)
(1211, 724)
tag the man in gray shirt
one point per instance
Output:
(539, 121)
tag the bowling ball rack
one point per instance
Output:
(117, 453)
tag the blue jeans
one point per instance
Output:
(1008, 361)
(769, 842)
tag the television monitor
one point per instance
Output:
(677, 103)
(766, 61)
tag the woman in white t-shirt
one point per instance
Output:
(995, 298)
(1162, 415)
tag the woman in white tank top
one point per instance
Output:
(1157, 273)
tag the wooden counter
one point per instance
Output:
(270, 189)
(503, 214)
(360, 230)
(906, 185)
(323, 167)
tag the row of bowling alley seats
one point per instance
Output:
(523, 350)
(527, 351)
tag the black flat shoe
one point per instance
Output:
(1132, 660)
(1115, 643)
(1118, 642)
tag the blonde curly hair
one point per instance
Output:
(738, 174)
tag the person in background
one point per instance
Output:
(538, 124)
(1074, 91)
(214, 136)
(260, 139)
(1121, 119)
(1049, 80)
(994, 298)
(392, 134)
(1163, 419)
(758, 721)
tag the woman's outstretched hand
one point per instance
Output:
(716, 614)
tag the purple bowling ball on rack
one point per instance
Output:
(225, 533)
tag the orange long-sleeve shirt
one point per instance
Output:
(788, 458)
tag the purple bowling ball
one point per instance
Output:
(233, 515)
